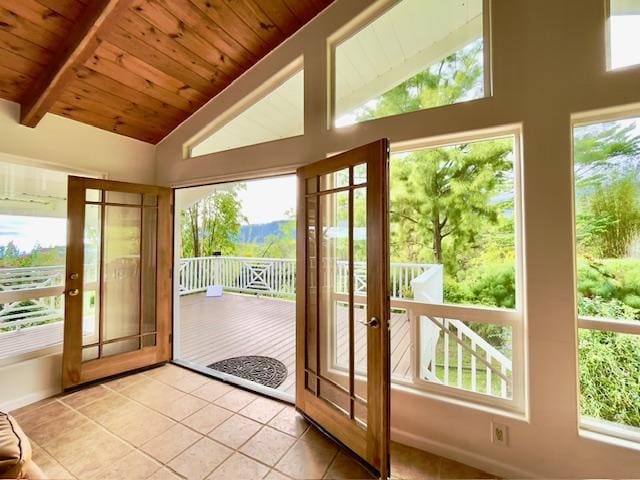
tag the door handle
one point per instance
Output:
(73, 292)
(373, 323)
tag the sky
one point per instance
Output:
(269, 199)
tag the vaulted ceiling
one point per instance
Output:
(135, 67)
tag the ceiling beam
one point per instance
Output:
(97, 20)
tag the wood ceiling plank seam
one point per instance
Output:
(23, 28)
(175, 28)
(279, 13)
(149, 72)
(162, 119)
(19, 64)
(25, 48)
(108, 110)
(108, 85)
(257, 21)
(146, 48)
(141, 84)
(149, 34)
(221, 14)
(69, 9)
(78, 45)
(209, 30)
(40, 15)
(99, 121)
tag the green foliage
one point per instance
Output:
(212, 224)
(610, 376)
(12, 257)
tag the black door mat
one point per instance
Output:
(266, 371)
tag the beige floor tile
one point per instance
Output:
(239, 467)
(207, 418)
(450, 469)
(30, 420)
(235, 399)
(200, 459)
(85, 396)
(275, 475)
(49, 465)
(189, 382)
(137, 424)
(84, 457)
(345, 467)
(235, 431)
(307, 460)
(171, 443)
(167, 373)
(211, 390)
(164, 474)
(289, 421)
(50, 432)
(268, 445)
(318, 439)
(262, 409)
(121, 383)
(410, 463)
(134, 466)
(182, 407)
(22, 411)
(112, 404)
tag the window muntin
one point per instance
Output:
(277, 115)
(607, 206)
(419, 54)
(624, 33)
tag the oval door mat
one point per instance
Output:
(266, 371)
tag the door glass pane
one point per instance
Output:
(360, 313)
(121, 275)
(149, 229)
(124, 197)
(149, 341)
(91, 286)
(337, 179)
(312, 295)
(122, 346)
(89, 353)
(334, 303)
(150, 200)
(92, 195)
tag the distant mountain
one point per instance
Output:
(257, 233)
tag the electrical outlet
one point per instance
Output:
(499, 434)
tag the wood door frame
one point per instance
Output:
(74, 371)
(372, 445)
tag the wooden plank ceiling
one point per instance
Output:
(135, 67)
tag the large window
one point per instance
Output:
(279, 114)
(454, 213)
(624, 33)
(419, 54)
(32, 257)
(607, 204)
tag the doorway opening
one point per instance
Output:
(235, 285)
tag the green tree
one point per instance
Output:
(212, 224)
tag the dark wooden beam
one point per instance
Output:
(98, 19)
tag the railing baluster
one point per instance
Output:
(503, 383)
(474, 385)
(459, 359)
(489, 374)
(446, 350)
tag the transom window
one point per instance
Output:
(419, 54)
(624, 33)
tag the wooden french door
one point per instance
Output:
(343, 365)
(118, 278)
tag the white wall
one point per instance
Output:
(63, 144)
(548, 64)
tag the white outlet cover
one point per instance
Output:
(499, 434)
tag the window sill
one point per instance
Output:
(611, 435)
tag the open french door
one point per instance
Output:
(343, 366)
(118, 284)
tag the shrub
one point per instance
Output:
(610, 376)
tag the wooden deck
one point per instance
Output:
(216, 328)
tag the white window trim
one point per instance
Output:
(514, 318)
(371, 15)
(602, 428)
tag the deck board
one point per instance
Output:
(216, 328)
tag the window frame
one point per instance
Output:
(584, 322)
(380, 8)
(608, 43)
(233, 112)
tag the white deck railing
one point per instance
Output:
(33, 296)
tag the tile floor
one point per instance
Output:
(170, 423)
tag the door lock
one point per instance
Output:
(373, 323)
(74, 276)
(73, 292)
